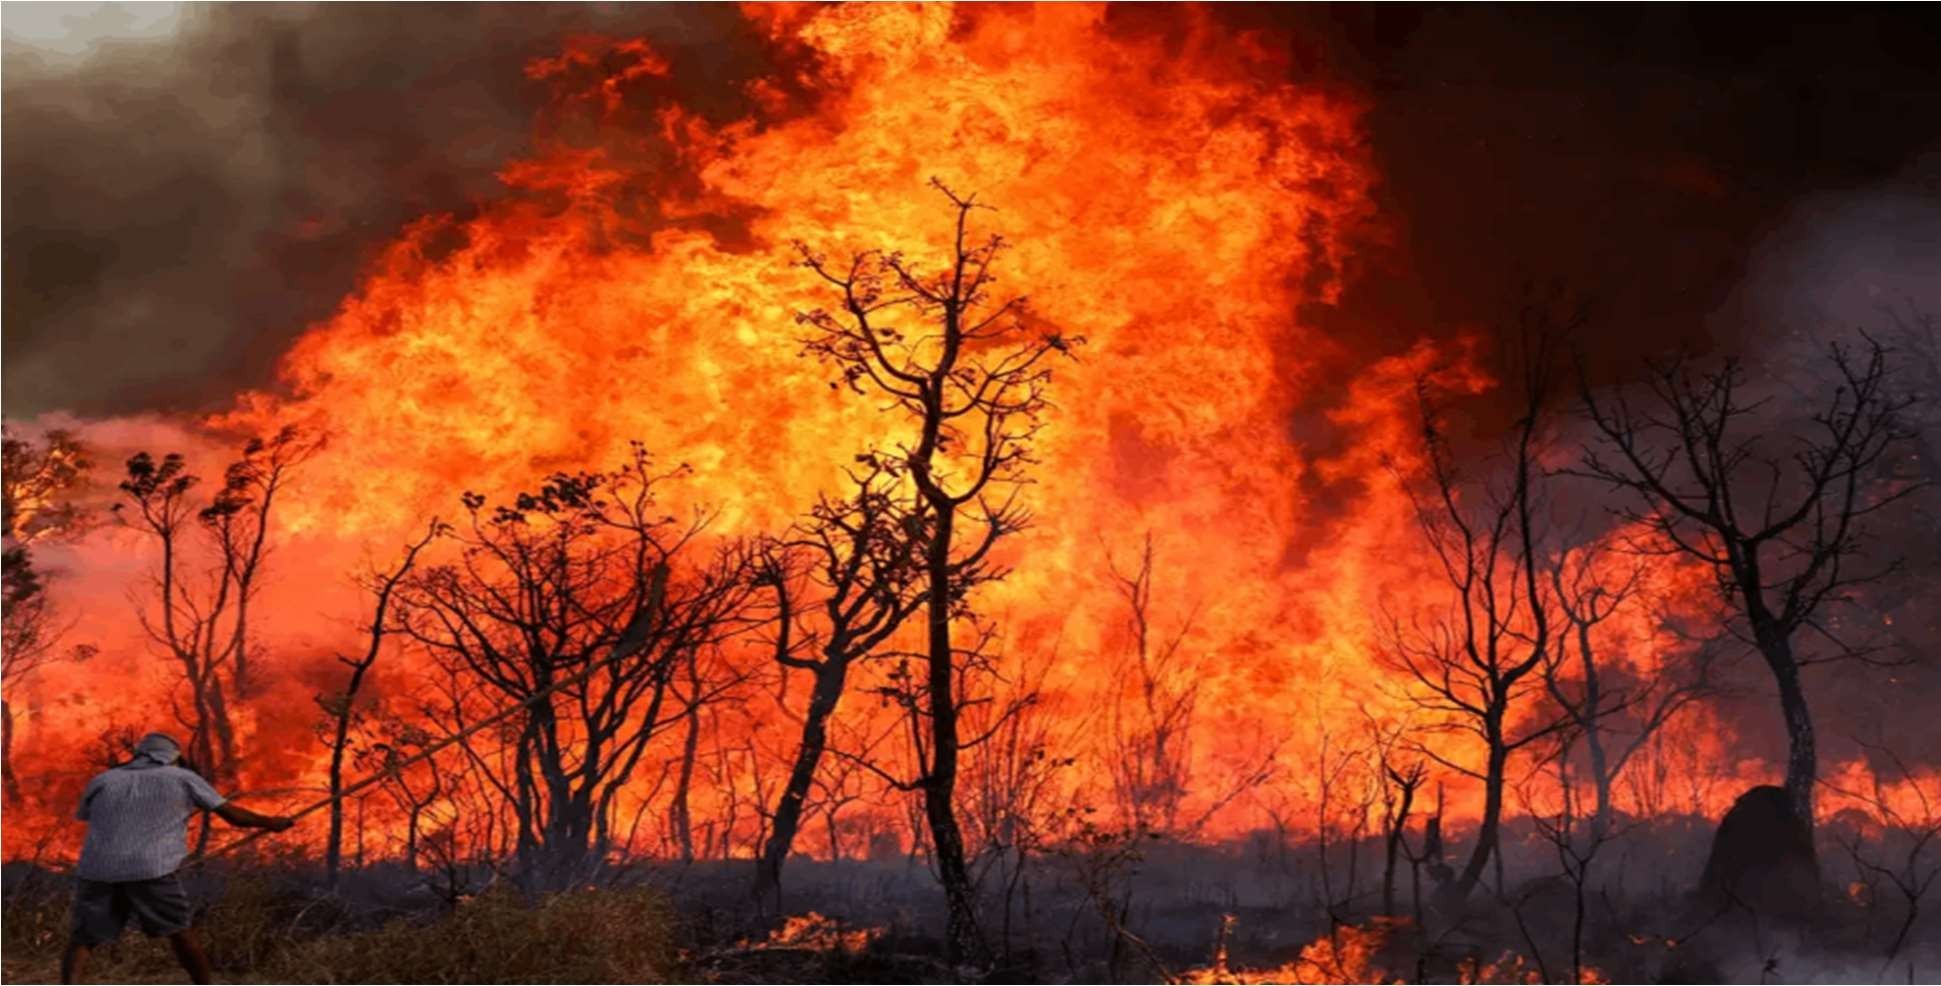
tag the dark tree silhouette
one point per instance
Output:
(342, 707)
(1614, 712)
(1398, 778)
(844, 581)
(200, 615)
(1779, 514)
(391, 754)
(1577, 845)
(28, 644)
(704, 678)
(1474, 659)
(1152, 734)
(1016, 800)
(968, 375)
(581, 600)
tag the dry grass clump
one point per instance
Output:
(256, 933)
(591, 936)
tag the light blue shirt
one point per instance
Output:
(138, 820)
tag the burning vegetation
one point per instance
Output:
(903, 499)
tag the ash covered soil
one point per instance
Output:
(1256, 911)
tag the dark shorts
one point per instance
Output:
(101, 910)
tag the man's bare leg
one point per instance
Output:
(74, 962)
(194, 961)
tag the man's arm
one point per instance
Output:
(241, 817)
(205, 797)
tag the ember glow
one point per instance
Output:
(1226, 496)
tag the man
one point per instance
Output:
(138, 835)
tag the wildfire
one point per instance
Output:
(1346, 954)
(1354, 954)
(1166, 194)
(815, 932)
(1512, 968)
(638, 283)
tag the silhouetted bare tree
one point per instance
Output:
(413, 785)
(1473, 660)
(844, 581)
(1399, 776)
(342, 706)
(1152, 733)
(1015, 799)
(704, 678)
(581, 599)
(203, 588)
(28, 644)
(969, 378)
(1577, 845)
(1778, 513)
(1614, 710)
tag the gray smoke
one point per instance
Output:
(186, 191)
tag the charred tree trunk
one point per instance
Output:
(1600, 759)
(1397, 830)
(346, 711)
(829, 681)
(202, 746)
(963, 942)
(1588, 719)
(1488, 828)
(8, 781)
(563, 852)
(411, 840)
(1601, 779)
(529, 803)
(678, 816)
(334, 844)
(1802, 758)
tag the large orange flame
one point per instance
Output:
(1167, 198)
(1170, 197)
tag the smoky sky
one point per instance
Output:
(1636, 158)
(177, 211)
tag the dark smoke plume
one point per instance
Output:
(179, 208)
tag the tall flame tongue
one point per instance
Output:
(1170, 198)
